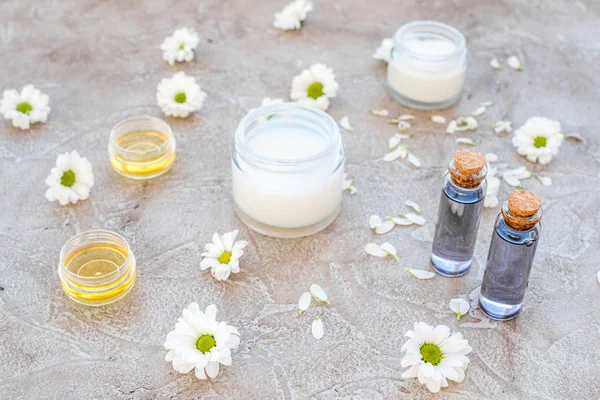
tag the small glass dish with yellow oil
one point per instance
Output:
(96, 267)
(141, 147)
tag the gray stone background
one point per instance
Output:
(99, 62)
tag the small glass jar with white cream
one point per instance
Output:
(288, 168)
(427, 66)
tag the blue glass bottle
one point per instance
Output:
(461, 204)
(510, 259)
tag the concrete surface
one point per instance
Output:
(99, 61)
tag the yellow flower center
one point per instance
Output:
(180, 97)
(181, 46)
(315, 90)
(68, 178)
(540, 141)
(225, 257)
(431, 354)
(24, 107)
(205, 343)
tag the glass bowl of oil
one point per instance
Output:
(96, 267)
(141, 147)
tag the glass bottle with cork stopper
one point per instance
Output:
(459, 213)
(511, 254)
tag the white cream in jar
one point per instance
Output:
(288, 167)
(427, 65)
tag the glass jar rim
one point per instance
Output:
(472, 181)
(458, 37)
(166, 129)
(526, 222)
(266, 112)
(72, 241)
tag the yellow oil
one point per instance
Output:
(148, 154)
(98, 261)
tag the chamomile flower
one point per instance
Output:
(434, 356)
(180, 46)
(222, 256)
(179, 95)
(384, 51)
(201, 343)
(539, 139)
(24, 108)
(315, 86)
(293, 15)
(71, 179)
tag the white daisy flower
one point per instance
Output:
(345, 123)
(315, 86)
(317, 328)
(348, 185)
(304, 302)
(539, 139)
(384, 250)
(267, 101)
(28, 107)
(493, 186)
(384, 51)
(434, 356)
(380, 227)
(460, 307)
(179, 95)
(293, 15)
(71, 179)
(514, 63)
(502, 127)
(200, 342)
(222, 256)
(420, 273)
(180, 46)
(495, 63)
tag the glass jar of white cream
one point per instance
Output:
(288, 168)
(427, 66)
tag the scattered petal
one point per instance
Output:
(466, 123)
(293, 15)
(318, 293)
(406, 117)
(420, 273)
(491, 157)
(417, 219)
(380, 227)
(438, 119)
(403, 126)
(463, 140)
(317, 328)
(375, 250)
(401, 221)
(380, 113)
(460, 307)
(479, 111)
(514, 63)
(512, 180)
(345, 123)
(347, 185)
(395, 140)
(391, 250)
(451, 128)
(400, 152)
(384, 51)
(304, 302)
(413, 205)
(502, 127)
(495, 63)
(546, 180)
(486, 103)
(414, 160)
(575, 136)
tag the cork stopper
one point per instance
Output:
(523, 210)
(467, 168)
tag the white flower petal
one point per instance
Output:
(495, 63)
(438, 119)
(514, 63)
(406, 117)
(385, 227)
(479, 111)
(375, 250)
(304, 302)
(486, 103)
(317, 328)
(575, 136)
(413, 205)
(374, 221)
(420, 273)
(384, 51)
(345, 123)
(399, 152)
(451, 128)
(318, 293)
(545, 180)
(390, 250)
(459, 306)
(402, 221)
(502, 127)
(463, 140)
(380, 113)
(393, 142)
(512, 180)
(417, 219)
(414, 160)
(491, 157)
(403, 126)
